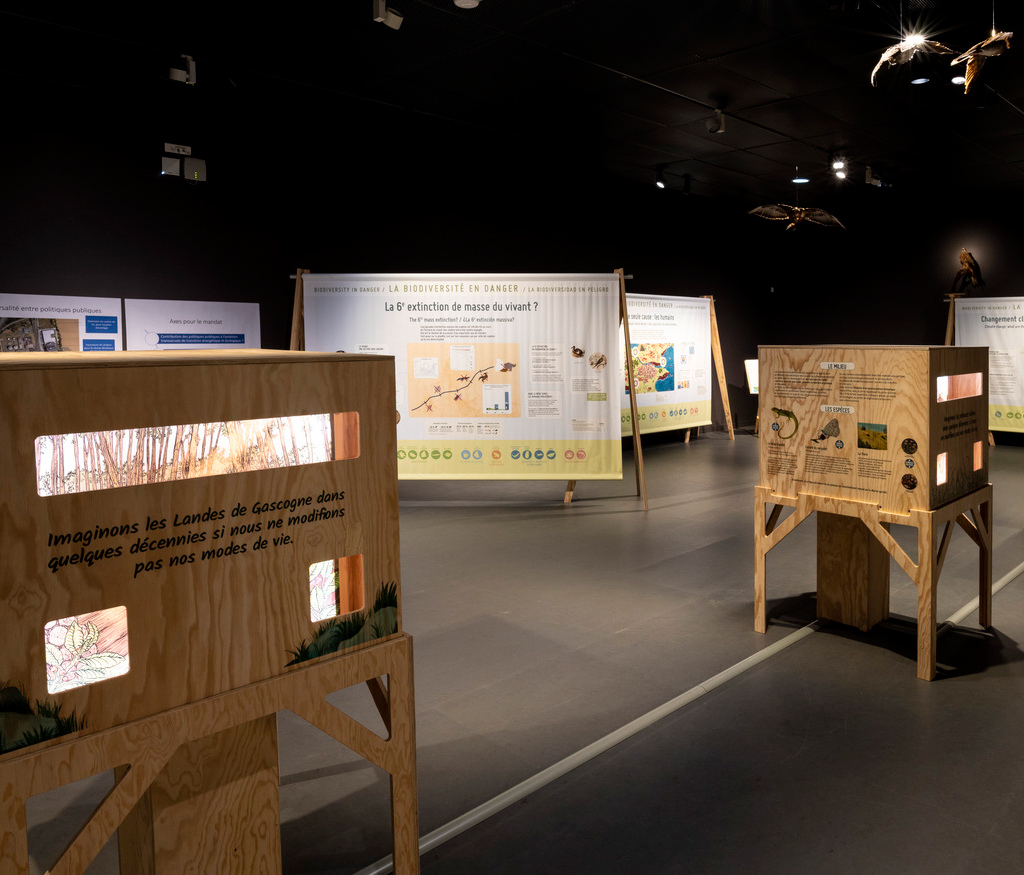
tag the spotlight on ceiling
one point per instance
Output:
(798, 179)
(386, 16)
(467, 4)
(716, 124)
(920, 80)
(838, 163)
(659, 178)
(958, 80)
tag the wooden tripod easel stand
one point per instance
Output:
(638, 453)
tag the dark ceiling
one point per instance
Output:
(597, 87)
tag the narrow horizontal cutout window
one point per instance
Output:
(93, 461)
(957, 386)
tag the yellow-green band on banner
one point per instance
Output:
(510, 460)
(667, 417)
(1003, 417)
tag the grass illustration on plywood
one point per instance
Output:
(358, 627)
(22, 725)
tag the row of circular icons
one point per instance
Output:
(476, 455)
(655, 414)
(909, 446)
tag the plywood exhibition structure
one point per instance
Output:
(193, 542)
(868, 437)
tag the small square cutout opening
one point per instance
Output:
(86, 649)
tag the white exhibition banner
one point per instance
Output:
(55, 323)
(191, 324)
(498, 377)
(671, 342)
(997, 323)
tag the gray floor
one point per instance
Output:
(540, 628)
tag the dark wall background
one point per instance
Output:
(312, 181)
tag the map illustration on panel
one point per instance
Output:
(653, 367)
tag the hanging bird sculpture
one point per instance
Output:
(969, 273)
(902, 52)
(796, 215)
(975, 56)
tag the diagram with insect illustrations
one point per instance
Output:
(464, 380)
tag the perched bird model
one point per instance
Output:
(902, 52)
(975, 56)
(969, 273)
(796, 215)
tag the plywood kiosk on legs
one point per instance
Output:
(867, 437)
(193, 542)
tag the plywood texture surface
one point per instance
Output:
(866, 423)
(211, 624)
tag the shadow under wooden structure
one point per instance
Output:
(902, 425)
(176, 526)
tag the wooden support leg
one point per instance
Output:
(760, 560)
(213, 808)
(985, 566)
(926, 600)
(853, 572)
(404, 801)
(13, 832)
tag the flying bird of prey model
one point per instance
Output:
(969, 273)
(796, 215)
(975, 56)
(902, 52)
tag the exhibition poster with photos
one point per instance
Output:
(670, 339)
(504, 377)
(997, 323)
(57, 323)
(157, 324)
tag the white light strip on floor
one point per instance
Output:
(552, 773)
(503, 800)
(972, 605)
